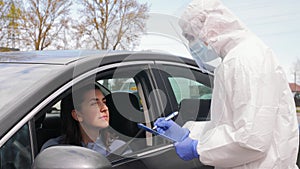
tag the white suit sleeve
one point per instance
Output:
(249, 100)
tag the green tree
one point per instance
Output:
(10, 14)
(44, 21)
(1, 6)
(2, 12)
(13, 32)
(110, 24)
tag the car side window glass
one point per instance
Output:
(191, 90)
(119, 84)
(126, 85)
(16, 152)
(185, 88)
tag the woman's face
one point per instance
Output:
(94, 112)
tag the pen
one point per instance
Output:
(169, 117)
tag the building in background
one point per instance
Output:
(296, 92)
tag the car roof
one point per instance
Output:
(65, 57)
(60, 57)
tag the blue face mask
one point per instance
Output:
(202, 53)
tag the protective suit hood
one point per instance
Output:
(214, 24)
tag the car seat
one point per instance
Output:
(124, 113)
(47, 126)
(193, 110)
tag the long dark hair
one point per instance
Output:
(70, 127)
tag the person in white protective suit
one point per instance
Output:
(253, 116)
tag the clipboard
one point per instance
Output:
(142, 126)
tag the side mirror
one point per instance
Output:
(70, 157)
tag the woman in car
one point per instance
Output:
(85, 121)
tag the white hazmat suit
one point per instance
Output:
(254, 123)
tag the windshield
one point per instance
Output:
(15, 79)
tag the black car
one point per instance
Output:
(32, 85)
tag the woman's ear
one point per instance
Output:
(76, 116)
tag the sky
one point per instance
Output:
(276, 22)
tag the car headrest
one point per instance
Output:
(194, 109)
(124, 113)
(39, 120)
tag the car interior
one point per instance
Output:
(47, 125)
(125, 113)
(191, 109)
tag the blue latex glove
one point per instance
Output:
(187, 149)
(171, 129)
